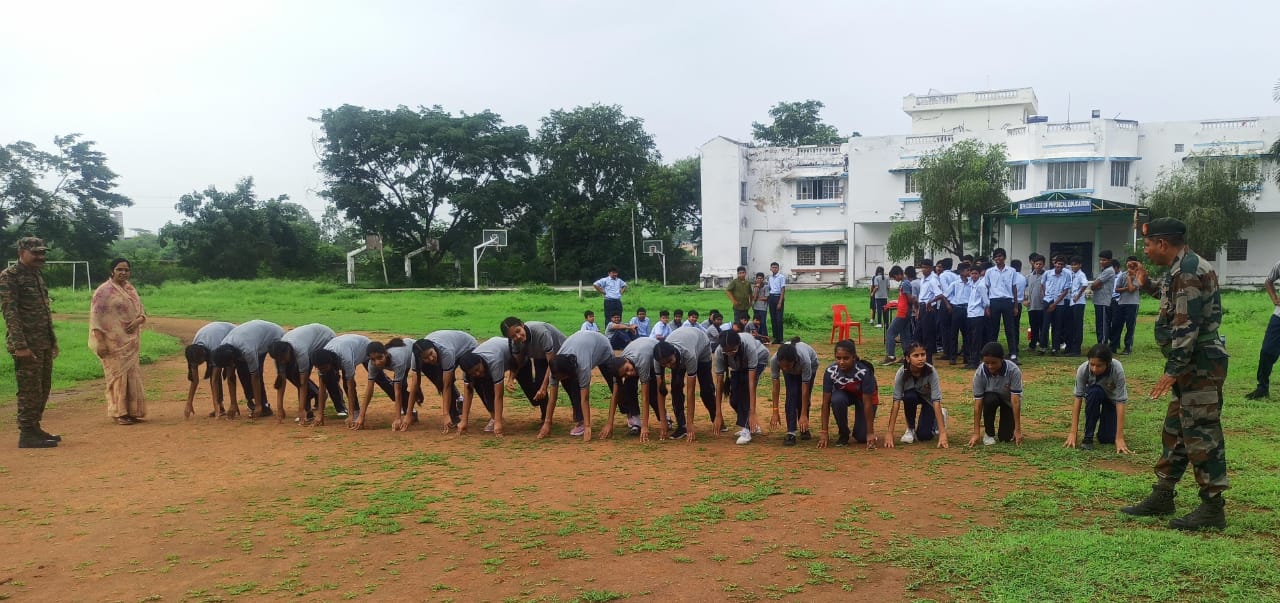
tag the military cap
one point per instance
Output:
(31, 244)
(1163, 227)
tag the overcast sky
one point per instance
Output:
(181, 95)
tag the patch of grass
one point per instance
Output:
(572, 554)
(75, 362)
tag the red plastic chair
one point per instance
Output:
(841, 321)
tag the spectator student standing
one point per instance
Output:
(739, 293)
(612, 288)
(777, 293)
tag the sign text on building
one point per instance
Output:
(1065, 206)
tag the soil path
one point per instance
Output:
(217, 510)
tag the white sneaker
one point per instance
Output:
(909, 437)
(758, 430)
(633, 421)
(988, 440)
(488, 428)
(744, 437)
(944, 418)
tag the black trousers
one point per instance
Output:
(842, 402)
(929, 331)
(1077, 328)
(611, 307)
(1126, 317)
(332, 382)
(959, 326)
(763, 317)
(1102, 322)
(775, 317)
(1039, 329)
(795, 399)
(629, 396)
(707, 390)
(927, 425)
(1060, 320)
(247, 380)
(1099, 413)
(974, 340)
(993, 404)
(435, 375)
(1002, 309)
(574, 392)
(530, 378)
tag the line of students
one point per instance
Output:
(540, 360)
(942, 307)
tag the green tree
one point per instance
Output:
(592, 162)
(671, 199)
(413, 176)
(236, 235)
(1212, 195)
(795, 124)
(74, 216)
(957, 185)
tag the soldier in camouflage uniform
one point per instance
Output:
(29, 338)
(1195, 368)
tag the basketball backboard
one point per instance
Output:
(373, 242)
(652, 246)
(498, 236)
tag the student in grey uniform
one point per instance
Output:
(916, 389)
(997, 388)
(207, 339)
(1102, 287)
(241, 354)
(571, 369)
(293, 355)
(336, 363)
(395, 355)
(1128, 285)
(639, 376)
(438, 355)
(796, 365)
(484, 367)
(687, 352)
(1033, 300)
(533, 344)
(744, 359)
(1101, 389)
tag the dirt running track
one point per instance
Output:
(216, 510)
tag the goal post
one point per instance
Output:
(88, 280)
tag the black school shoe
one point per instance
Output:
(790, 441)
(842, 440)
(679, 433)
(634, 431)
(805, 435)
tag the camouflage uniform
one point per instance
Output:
(1187, 332)
(29, 325)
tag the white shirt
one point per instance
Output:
(1000, 282)
(777, 282)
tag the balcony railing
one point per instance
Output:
(1126, 124)
(1223, 124)
(822, 150)
(1070, 126)
(996, 95)
(934, 139)
(1018, 131)
(937, 99)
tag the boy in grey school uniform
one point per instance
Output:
(1102, 288)
(997, 389)
(241, 354)
(292, 355)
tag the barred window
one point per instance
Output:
(813, 189)
(1238, 250)
(1017, 177)
(830, 255)
(1068, 175)
(1120, 173)
(805, 255)
(912, 185)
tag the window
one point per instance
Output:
(1119, 173)
(1237, 250)
(1212, 256)
(830, 255)
(742, 256)
(912, 185)
(1068, 175)
(804, 255)
(742, 193)
(1177, 148)
(1017, 177)
(819, 188)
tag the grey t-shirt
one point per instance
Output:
(252, 339)
(352, 350)
(402, 361)
(590, 349)
(882, 286)
(496, 354)
(751, 356)
(1128, 298)
(449, 346)
(542, 339)
(807, 365)
(306, 340)
(1107, 278)
(1035, 291)
(1112, 381)
(640, 354)
(1006, 383)
(211, 335)
(926, 386)
(692, 346)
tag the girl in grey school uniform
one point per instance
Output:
(1101, 390)
(395, 355)
(744, 359)
(916, 390)
(796, 365)
(484, 368)
(438, 355)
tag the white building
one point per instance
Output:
(825, 212)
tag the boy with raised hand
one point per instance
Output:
(207, 339)
(997, 389)
(292, 355)
(1100, 388)
(241, 354)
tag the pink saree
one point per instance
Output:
(113, 307)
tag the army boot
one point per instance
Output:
(1159, 502)
(1210, 514)
(32, 439)
(46, 435)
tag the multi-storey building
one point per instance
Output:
(825, 212)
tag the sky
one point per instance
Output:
(183, 95)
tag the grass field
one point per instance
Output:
(1056, 535)
(76, 363)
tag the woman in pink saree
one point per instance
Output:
(116, 316)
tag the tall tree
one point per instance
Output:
(795, 124)
(74, 216)
(671, 198)
(591, 162)
(957, 185)
(1213, 194)
(236, 235)
(412, 176)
